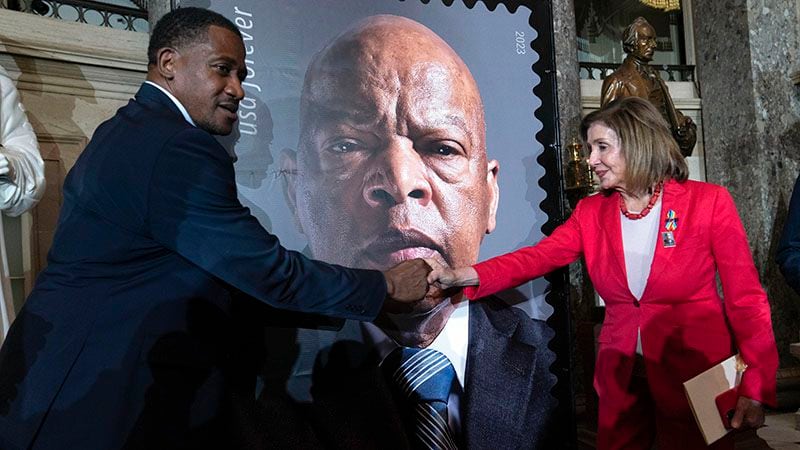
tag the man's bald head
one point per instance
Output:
(391, 54)
(391, 162)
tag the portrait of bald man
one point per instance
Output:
(392, 164)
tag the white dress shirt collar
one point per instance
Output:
(453, 341)
(175, 101)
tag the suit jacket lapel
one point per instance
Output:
(498, 381)
(151, 94)
(353, 406)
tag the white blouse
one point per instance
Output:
(639, 238)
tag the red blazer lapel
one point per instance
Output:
(610, 222)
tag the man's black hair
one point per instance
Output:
(184, 26)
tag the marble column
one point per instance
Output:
(569, 110)
(156, 9)
(569, 87)
(747, 51)
(581, 294)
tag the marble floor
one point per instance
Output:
(779, 433)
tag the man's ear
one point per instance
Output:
(289, 174)
(166, 58)
(494, 194)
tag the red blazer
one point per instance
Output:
(685, 325)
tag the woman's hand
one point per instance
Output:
(445, 278)
(440, 275)
(749, 413)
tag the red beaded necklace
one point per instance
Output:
(636, 216)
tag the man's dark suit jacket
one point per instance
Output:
(130, 338)
(506, 404)
(788, 254)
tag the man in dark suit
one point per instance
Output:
(788, 254)
(131, 337)
(392, 164)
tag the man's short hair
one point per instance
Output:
(631, 33)
(182, 27)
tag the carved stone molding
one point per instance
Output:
(52, 56)
(44, 38)
(46, 75)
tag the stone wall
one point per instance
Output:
(71, 77)
(746, 55)
(569, 94)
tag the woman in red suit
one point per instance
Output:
(653, 244)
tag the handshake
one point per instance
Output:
(418, 285)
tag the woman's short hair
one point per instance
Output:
(645, 140)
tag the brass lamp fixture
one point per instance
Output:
(666, 5)
(579, 177)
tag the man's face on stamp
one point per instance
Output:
(391, 162)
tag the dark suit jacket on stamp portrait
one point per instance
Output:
(130, 337)
(507, 401)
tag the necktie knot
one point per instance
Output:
(421, 374)
(424, 379)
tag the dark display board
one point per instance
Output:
(326, 208)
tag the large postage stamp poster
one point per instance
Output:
(374, 131)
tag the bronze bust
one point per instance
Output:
(635, 77)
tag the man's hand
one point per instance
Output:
(407, 281)
(749, 414)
